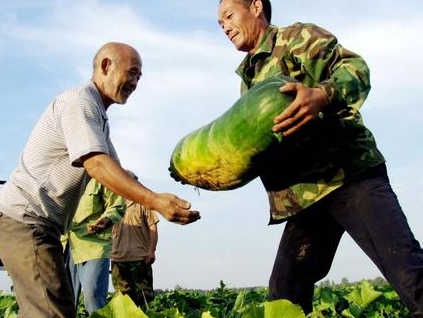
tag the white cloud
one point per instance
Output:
(387, 33)
(392, 50)
(70, 28)
(177, 91)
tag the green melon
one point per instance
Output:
(225, 154)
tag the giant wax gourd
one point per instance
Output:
(224, 154)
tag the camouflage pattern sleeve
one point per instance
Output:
(343, 74)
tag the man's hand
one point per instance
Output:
(150, 257)
(175, 209)
(99, 225)
(305, 107)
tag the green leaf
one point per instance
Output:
(239, 302)
(121, 306)
(8, 306)
(252, 310)
(347, 313)
(282, 309)
(207, 315)
(10, 313)
(317, 314)
(167, 313)
(172, 313)
(328, 296)
(391, 295)
(363, 294)
(7, 301)
(356, 310)
(374, 314)
(327, 301)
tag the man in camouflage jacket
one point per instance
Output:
(337, 178)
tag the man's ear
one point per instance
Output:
(256, 8)
(105, 65)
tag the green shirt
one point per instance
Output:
(326, 153)
(97, 202)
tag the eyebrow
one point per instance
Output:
(223, 13)
(135, 69)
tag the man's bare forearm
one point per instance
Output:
(111, 175)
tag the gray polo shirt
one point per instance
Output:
(46, 186)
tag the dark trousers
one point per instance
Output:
(368, 210)
(135, 279)
(33, 257)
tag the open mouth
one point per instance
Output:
(233, 36)
(127, 91)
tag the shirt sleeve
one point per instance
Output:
(112, 151)
(343, 74)
(151, 217)
(114, 205)
(83, 130)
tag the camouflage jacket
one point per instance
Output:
(328, 152)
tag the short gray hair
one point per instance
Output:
(267, 7)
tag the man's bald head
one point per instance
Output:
(116, 71)
(114, 51)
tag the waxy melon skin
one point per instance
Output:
(224, 154)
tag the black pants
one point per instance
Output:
(368, 210)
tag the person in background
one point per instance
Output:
(134, 251)
(327, 175)
(70, 142)
(90, 243)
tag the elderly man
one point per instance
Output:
(337, 179)
(69, 142)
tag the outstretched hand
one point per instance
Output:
(305, 107)
(99, 225)
(175, 209)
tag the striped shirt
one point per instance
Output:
(46, 186)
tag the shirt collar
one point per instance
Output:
(266, 46)
(96, 94)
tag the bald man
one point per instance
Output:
(69, 143)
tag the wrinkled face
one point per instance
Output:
(240, 24)
(122, 77)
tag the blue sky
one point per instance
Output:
(47, 47)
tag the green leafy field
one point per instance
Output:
(364, 299)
